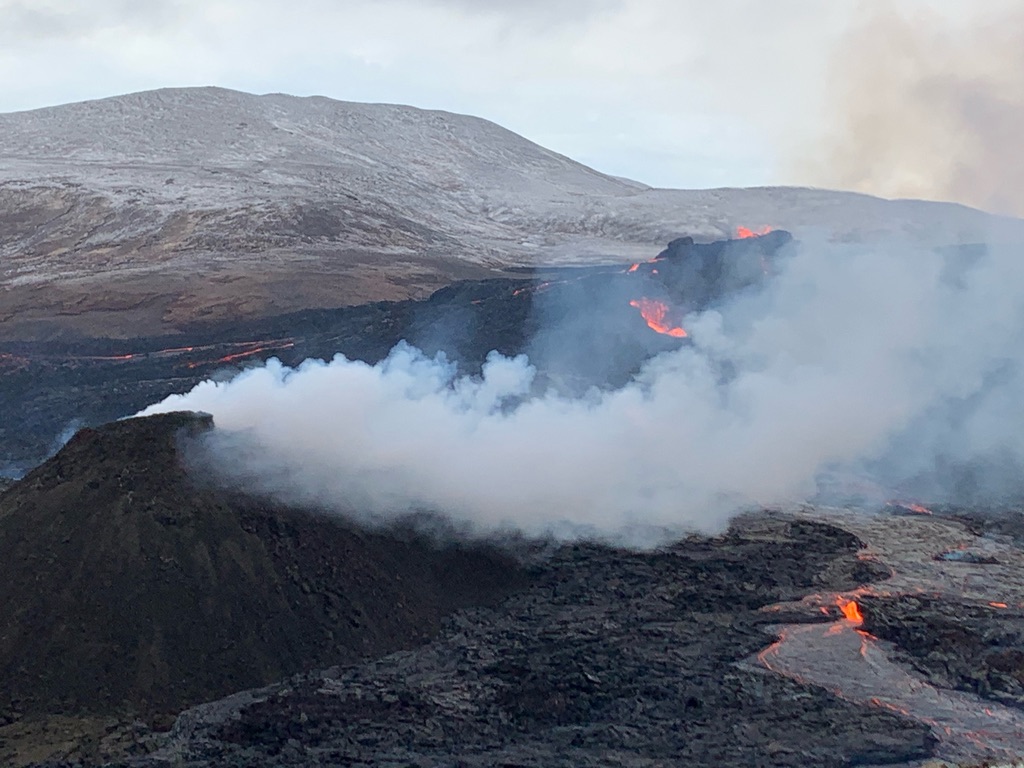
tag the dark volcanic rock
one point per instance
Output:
(127, 588)
(610, 658)
(969, 647)
(1006, 519)
(576, 323)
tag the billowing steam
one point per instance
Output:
(895, 363)
(922, 106)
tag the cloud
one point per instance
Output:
(529, 12)
(678, 94)
(674, 93)
(24, 22)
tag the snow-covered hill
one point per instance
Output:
(171, 206)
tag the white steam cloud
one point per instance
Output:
(924, 106)
(896, 361)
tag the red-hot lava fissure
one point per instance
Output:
(909, 507)
(655, 312)
(743, 233)
(636, 266)
(243, 354)
(850, 610)
(246, 349)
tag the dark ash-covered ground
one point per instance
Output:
(608, 658)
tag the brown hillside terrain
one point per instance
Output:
(128, 588)
(149, 213)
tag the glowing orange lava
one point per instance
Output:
(654, 313)
(999, 605)
(850, 610)
(270, 347)
(636, 266)
(742, 233)
(910, 507)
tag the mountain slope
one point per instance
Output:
(147, 212)
(128, 588)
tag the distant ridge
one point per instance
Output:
(145, 212)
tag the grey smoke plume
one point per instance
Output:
(890, 362)
(922, 106)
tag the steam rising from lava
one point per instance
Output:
(923, 107)
(894, 363)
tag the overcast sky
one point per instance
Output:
(682, 93)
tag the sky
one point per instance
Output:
(918, 98)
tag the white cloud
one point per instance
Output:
(640, 88)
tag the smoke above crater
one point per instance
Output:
(925, 105)
(896, 365)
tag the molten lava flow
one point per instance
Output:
(654, 313)
(909, 507)
(850, 610)
(637, 266)
(256, 351)
(261, 347)
(742, 233)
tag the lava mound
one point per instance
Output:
(130, 588)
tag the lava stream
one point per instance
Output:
(654, 312)
(244, 354)
(909, 507)
(855, 666)
(636, 266)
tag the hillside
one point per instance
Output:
(130, 588)
(145, 213)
